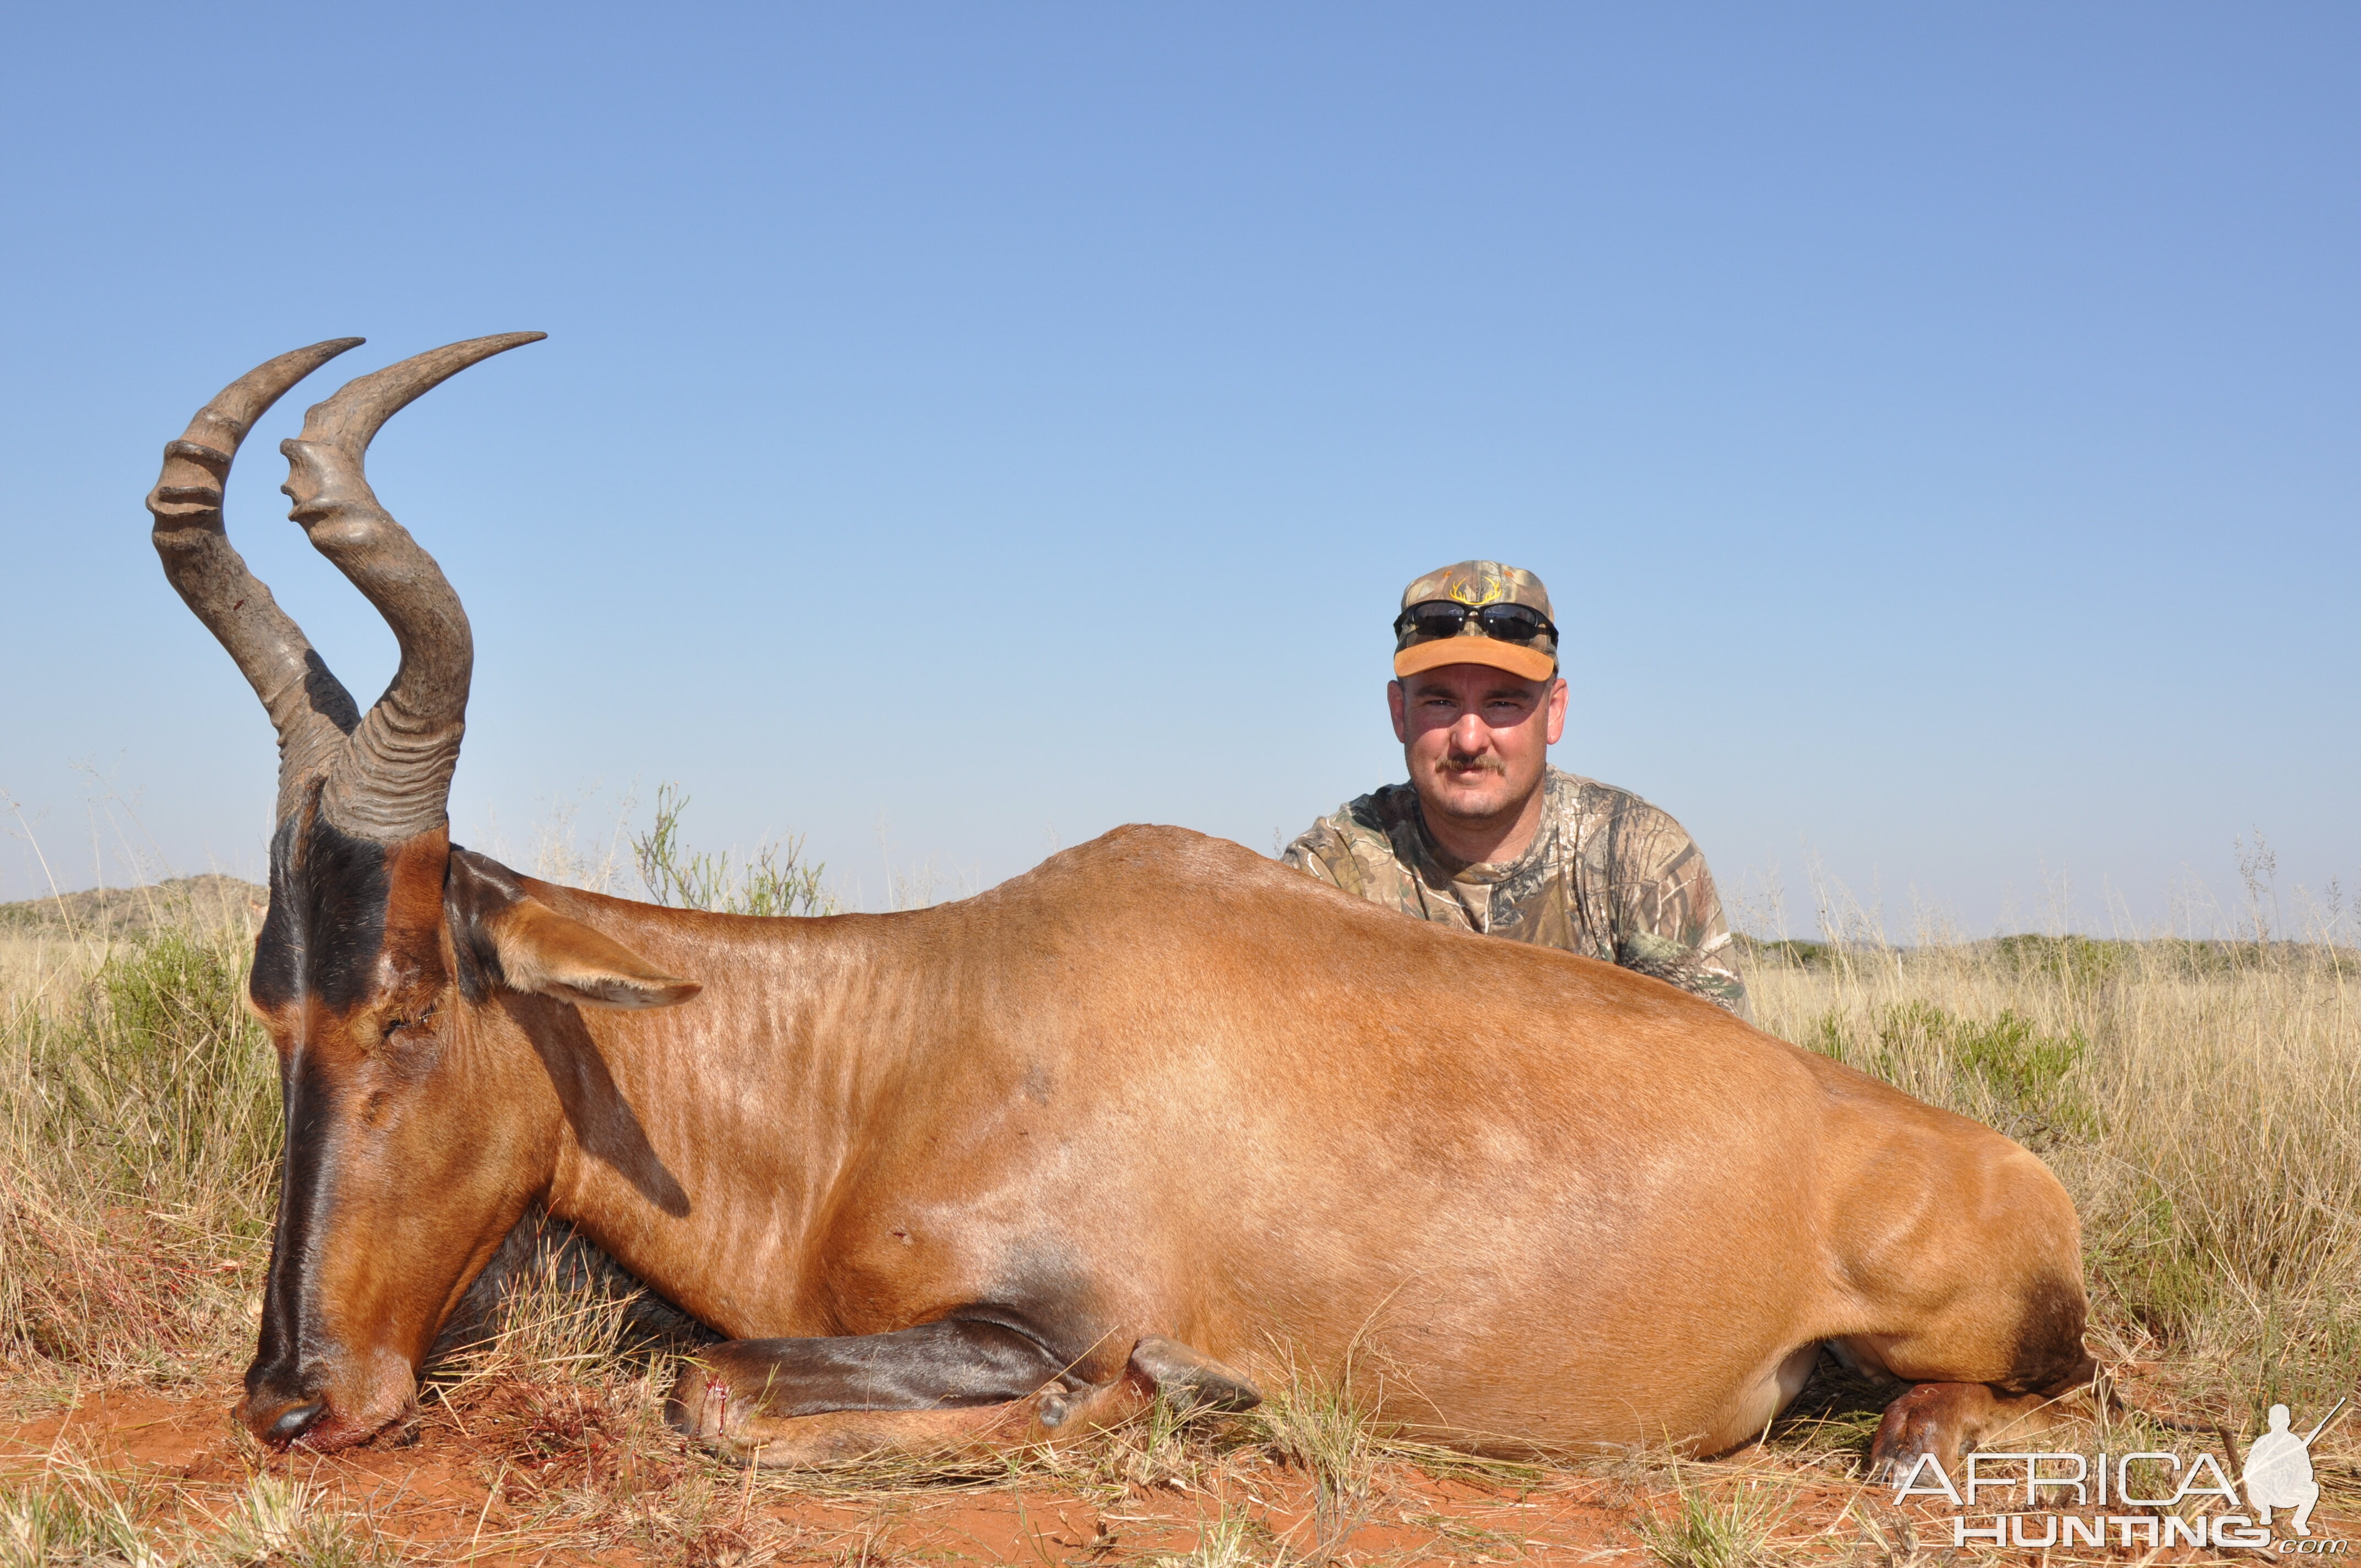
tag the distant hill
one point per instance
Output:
(135, 911)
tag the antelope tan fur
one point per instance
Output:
(1159, 1117)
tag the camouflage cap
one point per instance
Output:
(1476, 584)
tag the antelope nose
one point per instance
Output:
(294, 1423)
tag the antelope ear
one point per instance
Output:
(544, 951)
(504, 936)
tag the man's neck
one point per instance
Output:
(1487, 840)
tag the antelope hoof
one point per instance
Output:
(1927, 1420)
(1190, 1381)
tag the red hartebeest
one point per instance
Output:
(1153, 1117)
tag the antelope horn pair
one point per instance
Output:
(384, 775)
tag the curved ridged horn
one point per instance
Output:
(309, 708)
(394, 779)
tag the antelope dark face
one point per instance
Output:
(420, 1122)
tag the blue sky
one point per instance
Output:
(963, 429)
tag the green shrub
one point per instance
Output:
(2076, 960)
(2005, 1071)
(2146, 1261)
(166, 1089)
(1789, 952)
(776, 882)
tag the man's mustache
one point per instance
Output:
(1486, 763)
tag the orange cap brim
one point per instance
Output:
(1518, 659)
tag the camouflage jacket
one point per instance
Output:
(1609, 876)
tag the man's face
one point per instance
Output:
(1475, 737)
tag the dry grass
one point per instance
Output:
(1702, 1526)
(138, 1141)
(79, 1512)
(2201, 1102)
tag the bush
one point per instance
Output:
(2073, 959)
(2005, 1071)
(776, 880)
(170, 1081)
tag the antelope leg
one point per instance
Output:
(942, 1388)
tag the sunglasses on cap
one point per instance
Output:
(1443, 617)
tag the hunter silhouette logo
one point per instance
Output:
(2278, 1471)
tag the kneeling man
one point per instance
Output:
(1490, 838)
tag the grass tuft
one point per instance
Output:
(1234, 1539)
(286, 1525)
(1702, 1531)
(72, 1515)
(1317, 1425)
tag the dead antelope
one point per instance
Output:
(1147, 1119)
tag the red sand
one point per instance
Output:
(478, 1484)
